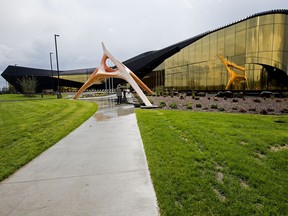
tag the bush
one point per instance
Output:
(252, 109)
(242, 110)
(234, 108)
(285, 110)
(270, 110)
(173, 105)
(214, 106)
(221, 109)
(198, 105)
(159, 91)
(162, 104)
(28, 85)
(263, 112)
(189, 106)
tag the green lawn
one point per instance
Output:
(17, 97)
(29, 127)
(217, 163)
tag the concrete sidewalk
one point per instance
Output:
(98, 169)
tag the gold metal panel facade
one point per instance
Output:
(259, 44)
(82, 78)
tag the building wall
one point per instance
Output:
(258, 44)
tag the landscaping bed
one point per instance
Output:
(211, 103)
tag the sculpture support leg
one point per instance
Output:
(140, 83)
(87, 84)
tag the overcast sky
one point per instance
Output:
(127, 27)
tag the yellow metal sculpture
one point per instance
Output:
(121, 71)
(234, 78)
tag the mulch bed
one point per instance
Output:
(248, 104)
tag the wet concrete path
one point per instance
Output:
(98, 169)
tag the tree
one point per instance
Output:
(28, 85)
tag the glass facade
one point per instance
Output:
(258, 44)
(82, 78)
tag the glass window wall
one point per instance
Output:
(255, 44)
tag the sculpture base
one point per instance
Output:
(148, 107)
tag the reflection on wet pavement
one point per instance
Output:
(107, 108)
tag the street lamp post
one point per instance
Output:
(51, 69)
(58, 87)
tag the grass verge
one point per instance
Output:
(217, 163)
(28, 128)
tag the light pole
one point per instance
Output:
(58, 87)
(51, 69)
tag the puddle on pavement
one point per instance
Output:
(107, 109)
(101, 117)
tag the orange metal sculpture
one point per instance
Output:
(234, 77)
(121, 71)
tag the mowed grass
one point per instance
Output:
(17, 97)
(28, 128)
(217, 163)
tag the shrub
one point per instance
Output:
(270, 110)
(214, 106)
(173, 105)
(285, 110)
(198, 105)
(234, 108)
(197, 98)
(189, 105)
(162, 104)
(221, 109)
(263, 112)
(242, 110)
(252, 109)
(159, 91)
(28, 85)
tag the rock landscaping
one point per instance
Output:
(214, 103)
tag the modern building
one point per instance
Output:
(250, 54)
